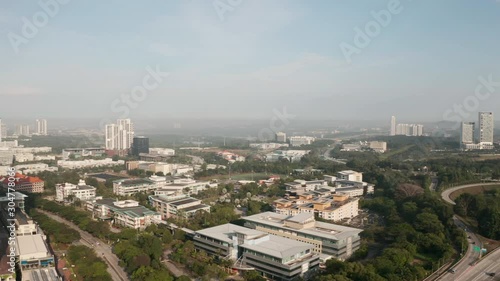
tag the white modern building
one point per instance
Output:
(79, 191)
(23, 130)
(275, 257)
(301, 140)
(290, 155)
(88, 163)
(265, 146)
(281, 137)
(162, 151)
(126, 213)
(378, 146)
(467, 133)
(177, 205)
(119, 136)
(34, 168)
(41, 127)
(486, 128)
(350, 175)
(24, 157)
(393, 126)
(329, 240)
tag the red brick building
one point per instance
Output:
(25, 183)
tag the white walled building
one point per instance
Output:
(35, 168)
(119, 136)
(486, 128)
(162, 151)
(281, 137)
(350, 175)
(88, 163)
(41, 127)
(24, 157)
(301, 140)
(126, 213)
(378, 146)
(81, 191)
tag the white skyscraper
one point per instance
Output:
(467, 133)
(41, 127)
(486, 128)
(110, 136)
(23, 130)
(393, 125)
(119, 136)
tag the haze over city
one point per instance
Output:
(249, 60)
(249, 140)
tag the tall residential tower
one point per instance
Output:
(486, 128)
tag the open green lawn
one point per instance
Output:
(395, 152)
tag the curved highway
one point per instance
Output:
(467, 269)
(446, 193)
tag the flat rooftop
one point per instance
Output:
(31, 245)
(320, 229)
(278, 247)
(133, 182)
(223, 232)
(105, 176)
(40, 274)
(183, 201)
(195, 208)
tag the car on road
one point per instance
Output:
(492, 274)
(453, 270)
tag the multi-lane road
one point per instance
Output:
(470, 256)
(102, 249)
(446, 194)
(470, 268)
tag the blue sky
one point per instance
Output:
(264, 55)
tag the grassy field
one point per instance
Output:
(473, 190)
(395, 152)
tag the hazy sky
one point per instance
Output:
(258, 56)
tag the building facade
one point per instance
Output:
(41, 127)
(275, 257)
(140, 145)
(80, 191)
(119, 136)
(486, 128)
(25, 184)
(329, 240)
(177, 205)
(127, 213)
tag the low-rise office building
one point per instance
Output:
(35, 168)
(126, 187)
(289, 155)
(79, 191)
(301, 140)
(177, 205)
(83, 152)
(88, 163)
(275, 257)
(32, 252)
(126, 213)
(335, 207)
(24, 183)
(329, 240)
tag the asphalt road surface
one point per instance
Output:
(470, 256)
(483, 269)
(102, 249)
(446, 194)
